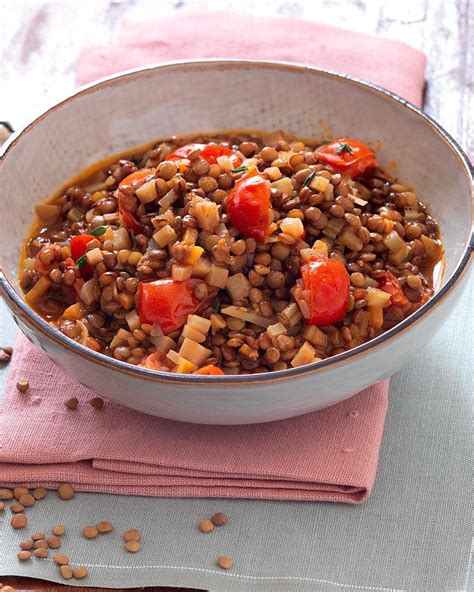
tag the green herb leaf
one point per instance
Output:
(309, 178)
(99, 231)
(344, 148)
(81, 262)
(239, 169)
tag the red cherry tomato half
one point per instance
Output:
(248, 206)
(210, 153)
(168, 303)
(128, 218)
(328, 284)
(389, 283)
(78, 249)
(347, 156)
(209, 371)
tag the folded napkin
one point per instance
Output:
(330, 455)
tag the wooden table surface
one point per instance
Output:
(41, 40)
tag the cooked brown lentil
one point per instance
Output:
(373, 225)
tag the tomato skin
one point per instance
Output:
(210, 153)
(128, 218)
(210, 370)
(329, 286)
(389, 283)
(153, 361)
(168, 303)
(353, 163)
(78, 249)
(248, 207)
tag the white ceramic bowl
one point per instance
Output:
(130, 109)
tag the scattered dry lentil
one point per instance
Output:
(24, 555)
(5, 353)
(132, 546)
(19, 491)
(61, 559)
(65, 491)
(206, 526)
(19, 521)
(2, 506)
(219, 519)
(132, 535)
(58, 530)
(79, 572)
(66, 572)
(26, 545)
(37, 536)
(104, 526)
(39, 493)
(23, 385)
(6, 494)
(16, 508)
(27, 500)
(225, 562)
(71, 403)
(53, 542)
(97, 402)
(41, 544)
(90, 532)
(41, 553)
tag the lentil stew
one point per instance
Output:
(231, 253)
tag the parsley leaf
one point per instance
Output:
(99, 231)
(239, 169)
(344, 148)
(81, 262)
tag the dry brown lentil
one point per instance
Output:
(131, 535)
(219, 519)
(6, 494)
(206, 526)
(90, 532)
(132, 546)
(26, 545)
(61, 559)
(104, 526)
(40, 544)
(23, 385)
(19, 491)
(19, 521)
(65, 491)
(79, 572)
(39, 493)
(24, 555)
(41, 553)
(27, 500)
(66, 572)
(71, 403)
(58, 530)
(53, 542)
(16, 508)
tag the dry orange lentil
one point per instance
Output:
(24, 555)
(104, 526)
(225, 562)
(38, 536)
(90, 532)
(41, 553)
(206, 526)
(19, 521)
(53, 542)
(79, 572)
(219, 519)
(71, 403)
(65, 491)
(17, 508)
(132, 546)
(58, 530)
(66, 572)
(6, 494)
(27, 500)
(61, 559)
(131, 535)
(39, 493)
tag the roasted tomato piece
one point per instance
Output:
(347, 156)
(78, 249)
(325, 288)
(389, 283)
(210, 370)
(168, 303)
(248, 206)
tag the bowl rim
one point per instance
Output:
(19, 306)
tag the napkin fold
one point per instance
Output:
(329, 455)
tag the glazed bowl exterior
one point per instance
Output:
(134, 108)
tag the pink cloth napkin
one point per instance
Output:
(330, 455)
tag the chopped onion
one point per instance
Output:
(244, 314)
